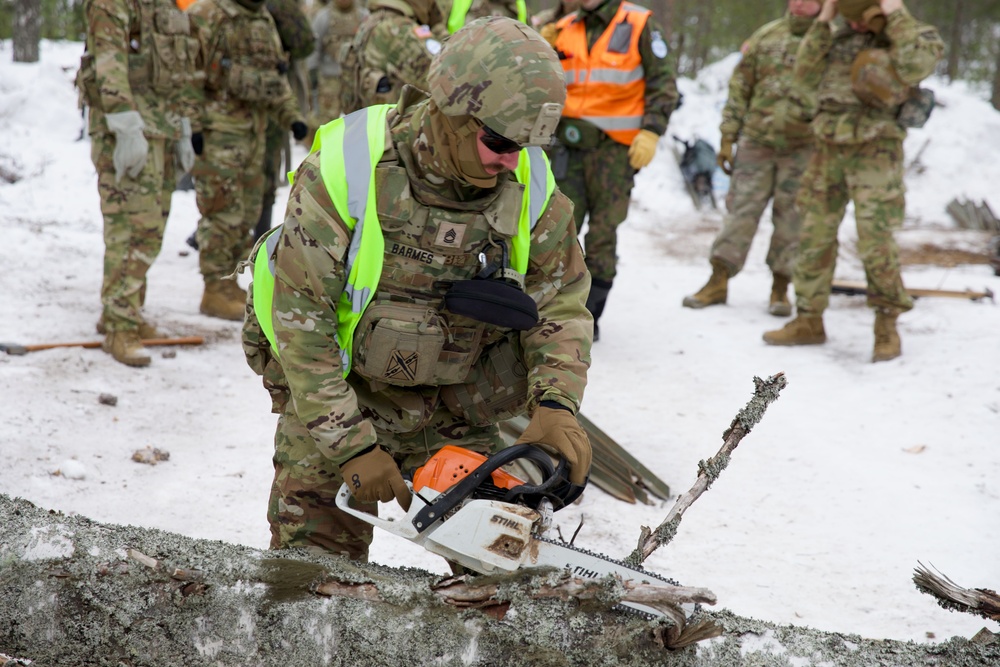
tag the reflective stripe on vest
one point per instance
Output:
(354, 198)
(460, 8)
(606, 89)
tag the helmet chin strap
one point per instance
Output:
(456, 136)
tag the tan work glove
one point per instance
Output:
(643, 148)
(375, 476)
(550, 33)
(559, 433)
(725, 157)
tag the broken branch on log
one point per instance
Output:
(765, 393)
(949, 595)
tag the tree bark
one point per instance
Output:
(955, 48)
(995, 99)
(27, 30)
(80, 593)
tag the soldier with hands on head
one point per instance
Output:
(391, 48)
(427, 283)
(775, 143)
(244, 82)
(620, 94)
(860, 77)
(142, 104)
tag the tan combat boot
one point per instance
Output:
(220, 300)
(887, 345)
(126, 348)
(803, 330)
(146, 329)
(714, 291)
(779, 304)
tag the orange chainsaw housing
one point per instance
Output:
(451, 464)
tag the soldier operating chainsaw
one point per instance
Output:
(426, 284)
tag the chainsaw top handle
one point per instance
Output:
(555, 485)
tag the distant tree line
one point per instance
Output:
(698, 31)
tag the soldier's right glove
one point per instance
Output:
(131, 147)
(558, 431)
(299, 130)
(550, 33)
(725, 158)
(198, 143)
(373, 475)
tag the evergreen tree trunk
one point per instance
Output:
(995, 99)
(27, 30)
(955, 48)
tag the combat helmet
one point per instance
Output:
(863, 11)
(505, 75)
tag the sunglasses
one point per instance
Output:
(498, 143)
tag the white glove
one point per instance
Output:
(131, 147)
(185, 151)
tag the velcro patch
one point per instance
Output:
(402, 366)
(450, 235)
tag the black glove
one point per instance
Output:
(198, 142)
(299, 130)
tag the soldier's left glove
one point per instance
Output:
(185, 151)
(299, 130)
(558, 432)
(131, 147)
(373, 475)
(643, 148)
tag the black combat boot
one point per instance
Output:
(599, 290)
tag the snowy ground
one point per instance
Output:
(857, 472)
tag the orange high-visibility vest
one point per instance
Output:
(604, 88)
(184, 4)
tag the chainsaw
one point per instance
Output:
(470, 511)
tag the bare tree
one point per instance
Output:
(27, 30)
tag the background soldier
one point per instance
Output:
(392, 47)
(615, 58)
(245, 80)
(553, 14)
(774, 146)
(859, 76)
(459, 12)
(141, 100)
(352, 404)
(334, 27)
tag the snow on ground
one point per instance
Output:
(854, 475)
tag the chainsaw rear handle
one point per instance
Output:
(403, 528)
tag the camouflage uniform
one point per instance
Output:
(599, 180)
(393, 46)
(434, 228)
(117, 74)
(775, 143)
(334, 27)
(244, 82)
(859, 157)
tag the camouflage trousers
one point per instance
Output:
(229, 181)
(135, 215)
(328, 100)
(870, 175)
(761, 173)
(599, 183)
(302, 509)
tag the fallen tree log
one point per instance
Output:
(76, 592)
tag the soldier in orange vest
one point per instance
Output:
(620, 94)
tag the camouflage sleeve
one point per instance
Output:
(810, 59)
(404, 52)
(320, 26)
(557, 350)
(661, 84)
(293, 28)
(741, 85)
(108, 24)
(916, 47)
(285, 107)
(309, 276)
(208, 61)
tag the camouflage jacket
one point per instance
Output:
(294, 31)
(341, 414)
(334, 29)
(823, 75)
(759, 106)
(244, 68)
(392, 45)
(661, 84)
(118, 73)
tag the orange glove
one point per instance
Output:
(375, 476)
(550, 33)
(559, 433)
(725, 157)
(643, 148)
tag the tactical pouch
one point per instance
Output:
(497, 387)
(86, 82)
(251, 84)
(492, 301)
(172, 51)
(917, 108)
(139, 75)
(578, 133)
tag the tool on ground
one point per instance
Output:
(857, 288)
(18, 349)
(468, 510)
